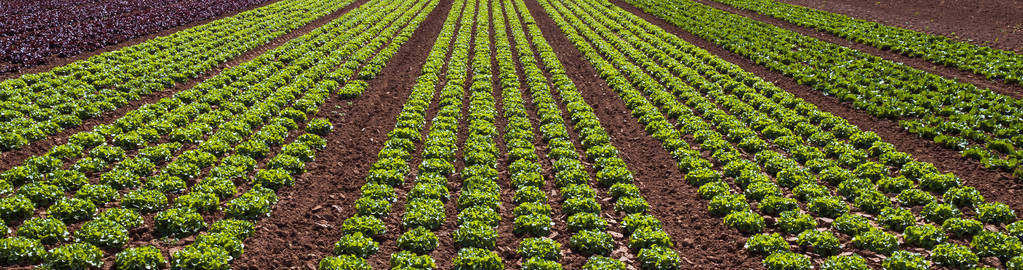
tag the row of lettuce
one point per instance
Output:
(647, 240)
(479, 201)
(533, 212)
(982, 124)
(762, 154)
(985, 61)
(35, 106)
(479, 198)
(221, 149)
(590, 234)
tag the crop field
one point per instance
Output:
(510, 134)
(33, 33)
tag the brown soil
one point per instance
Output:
(995, 185)
(16, 157)
(703, 239)
(995, 23)
(308, 218)
(999, 86)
